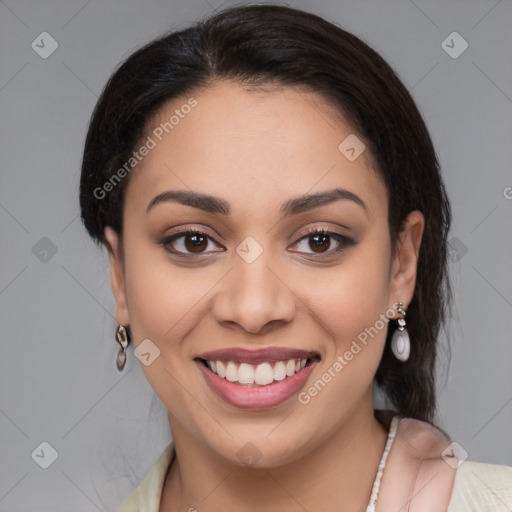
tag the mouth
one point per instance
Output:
(257, 379)
(262, 374)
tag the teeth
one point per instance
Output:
(245, 373)
(290, 367)
(264, 374)
(280, 371)
(261, 374)
(231, 372)
(221, 371)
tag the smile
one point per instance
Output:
(262, 374)
(257, 379)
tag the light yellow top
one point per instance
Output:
(478, 487)
(481, 487)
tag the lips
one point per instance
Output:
(255, 379)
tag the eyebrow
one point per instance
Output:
(212, 204)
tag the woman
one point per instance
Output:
(276, 224)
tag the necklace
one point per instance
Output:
(376, 483)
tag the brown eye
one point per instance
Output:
(195, 243)
(320, 241)
(187, 243)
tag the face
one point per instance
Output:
(241, 274)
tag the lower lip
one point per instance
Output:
(254, 396)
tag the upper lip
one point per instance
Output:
(258, 356)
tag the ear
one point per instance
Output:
(117, 276)
(405, 262)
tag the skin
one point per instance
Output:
(256, 150)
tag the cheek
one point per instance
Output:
(164, 305)
(353, 310)
(354, 313)
(356, 293)
(163, 299)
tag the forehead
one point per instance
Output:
(272, 142)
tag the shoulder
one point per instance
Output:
(147, 495)
(423, 465)
(415, 473)
(483, 487)
(475, 486)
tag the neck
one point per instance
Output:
(341, 470)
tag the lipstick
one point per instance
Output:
(257, 379)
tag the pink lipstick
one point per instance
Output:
(257, 379)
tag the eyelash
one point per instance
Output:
(343, 241)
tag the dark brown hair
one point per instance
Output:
(259, 44)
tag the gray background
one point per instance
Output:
(58, 382)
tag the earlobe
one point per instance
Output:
(405, 263)
(117, 276)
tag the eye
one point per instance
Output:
(320, 241)
(187, 243)
(193, 242)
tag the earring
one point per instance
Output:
(123, 339)
(400, 341)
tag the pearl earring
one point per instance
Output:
(400, 341)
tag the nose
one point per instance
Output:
(254, 297)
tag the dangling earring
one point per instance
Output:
(123, 339)
(400, 342)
